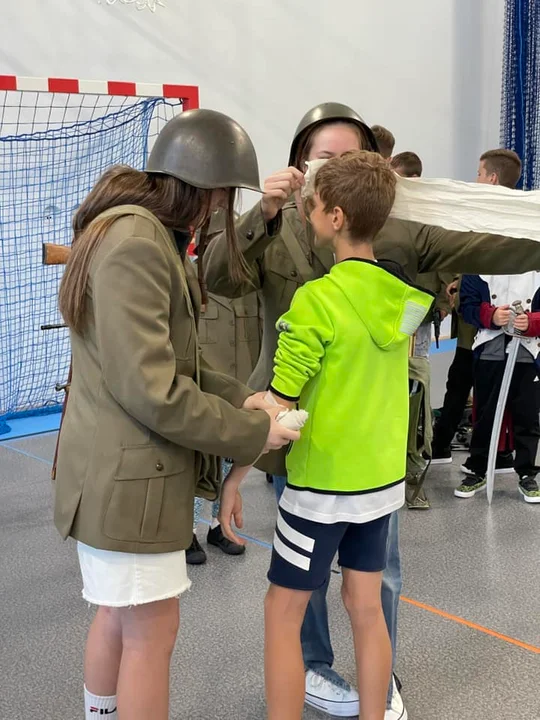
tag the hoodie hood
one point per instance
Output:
(388, 303)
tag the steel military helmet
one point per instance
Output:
(206, 149)
(325, 113)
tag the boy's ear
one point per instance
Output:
(338, 219)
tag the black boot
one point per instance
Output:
(195, 555)
(217, 538)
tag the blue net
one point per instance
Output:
(53, 147)
(520, 121)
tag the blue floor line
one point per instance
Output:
(26, 454)
(262, 543)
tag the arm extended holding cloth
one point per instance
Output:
(231, 500)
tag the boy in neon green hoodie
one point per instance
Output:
(343, 357)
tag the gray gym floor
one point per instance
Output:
(476, 564)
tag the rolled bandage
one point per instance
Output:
(291, 419)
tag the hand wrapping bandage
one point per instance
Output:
(291, 419)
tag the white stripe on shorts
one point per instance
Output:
(293, 536)
(291, 556)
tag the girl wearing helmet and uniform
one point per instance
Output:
(278, 245)
(145, 414)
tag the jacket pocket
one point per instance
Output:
(208, 321)
(150, 492)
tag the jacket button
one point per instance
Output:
(294, 273)
(493, 297)
(528, 302)
(250, 235)
(159, 466)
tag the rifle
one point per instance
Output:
(57, 255)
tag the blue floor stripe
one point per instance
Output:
(262, 543)
(26, 454)
(255, 541)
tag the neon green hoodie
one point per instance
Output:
(343, 353)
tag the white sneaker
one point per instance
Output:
(330, 698)
(396, 711)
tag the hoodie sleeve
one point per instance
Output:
(304, 332)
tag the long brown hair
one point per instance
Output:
(176, 204)
(306, 141)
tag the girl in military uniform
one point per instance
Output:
(143, 409)
(278, 245)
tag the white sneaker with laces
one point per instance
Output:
(330, 698)
(396, 711)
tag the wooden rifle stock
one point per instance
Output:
(58, 255)
(55, 254)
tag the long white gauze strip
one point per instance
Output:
(456, 205)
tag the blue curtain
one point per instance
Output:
(520, 121)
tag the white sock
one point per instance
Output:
(96, 707)
(214, 524)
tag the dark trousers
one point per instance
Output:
(523, 406)
(458, 388)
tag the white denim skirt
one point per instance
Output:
(118, 579)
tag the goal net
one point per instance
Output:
(55, 141)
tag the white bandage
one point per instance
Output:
(291, 419)
(313, 166)
(475, 207)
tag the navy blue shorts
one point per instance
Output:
(303, 550)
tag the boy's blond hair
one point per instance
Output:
(385, 140)
(363, 185)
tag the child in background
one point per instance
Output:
(407, 164)
(495, 167)
(502, 167)
(490, 360)
(342, 355)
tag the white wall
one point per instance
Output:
(428, 69)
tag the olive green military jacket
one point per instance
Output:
(230, 334)
(143, 411)
(283, 257)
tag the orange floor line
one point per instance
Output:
(473, 626)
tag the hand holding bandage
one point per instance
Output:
(231, 500)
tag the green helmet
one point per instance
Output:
(327, 112)
(206, 149)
